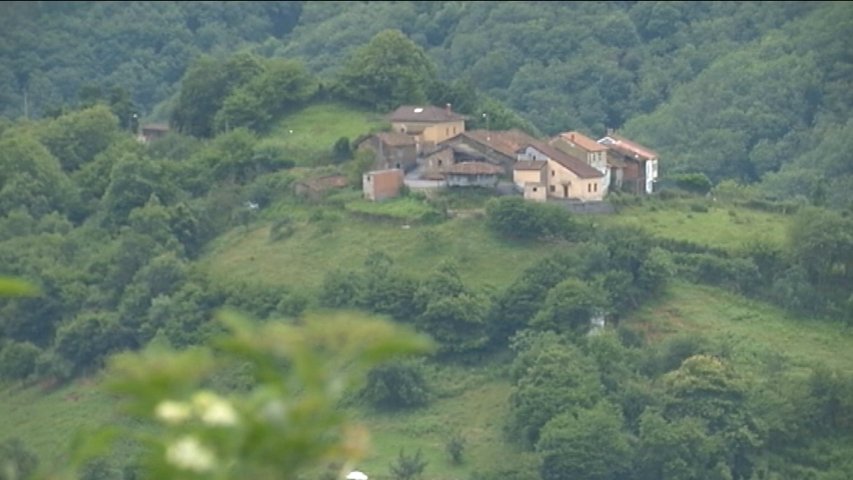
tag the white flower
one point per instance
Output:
(219, 413)
(172, 412)
(188, 454)
(214, 410)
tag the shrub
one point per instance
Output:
(516, 218)
(455, 448)
(396, 385)
(698, 207)
(18, 360)
(408, 467)
(692, 182)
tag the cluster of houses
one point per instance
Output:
(432, 144)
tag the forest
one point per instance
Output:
(127, 244)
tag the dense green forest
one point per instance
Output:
(124, 239)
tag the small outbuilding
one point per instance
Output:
(382, 184)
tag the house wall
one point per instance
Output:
(522, 177)
(563, 183)
(438, 160)
(431, 133)
(383, 184)
(404, 157)
(536, 192)
(471, 180)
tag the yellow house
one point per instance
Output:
(566, 177)
(429, 125)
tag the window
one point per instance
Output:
(552, 173)
(439, 163)
(588, 188)
(535, 189)
(595, 187)
(553, 189)
(454, 130)
(447, 131)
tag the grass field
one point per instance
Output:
(721, 226)
(313, 131)
(754, 329)
(302, 260)
(472, 403)
(46, 419)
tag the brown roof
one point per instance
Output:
(506, 142)
(579, 167)
(581, 141)
(529, 165)
(474, 168)
(628, 147)
(428, 114)
(395, 139)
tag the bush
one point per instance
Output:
(516, 218)
(692, 182)
(408, 467)
(396, 385)
(455, 448)
(738, 274)
(18, 360)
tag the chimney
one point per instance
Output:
(447, 107)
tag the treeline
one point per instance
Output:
(108, 228)
(245, 90)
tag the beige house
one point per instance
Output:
(529, 176)
(566, 177)
(585, 148)
(429, 125)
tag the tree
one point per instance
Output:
(389, 71)
(32, 178)
(408, 467)
(588, 444)
(551, 378)
(76, 138)
(821, 241)
(85, 340)
(570, 307)
(204, 88)
(676, 450)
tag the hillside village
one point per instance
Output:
(428, 147)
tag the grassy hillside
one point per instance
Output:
(302, 260)
(703, 223)
(754, 329)
(46, 419)
(312, 132)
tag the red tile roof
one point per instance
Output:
(628, 147)
(507, 142)
(427, 114)
(529, 165)
(395, 139)
(581, 141)
(579, 167)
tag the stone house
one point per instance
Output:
(473, 174)
(392, 150)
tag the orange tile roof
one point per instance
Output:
(629, 146)
(582, 141)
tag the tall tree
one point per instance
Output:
(389, 71)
